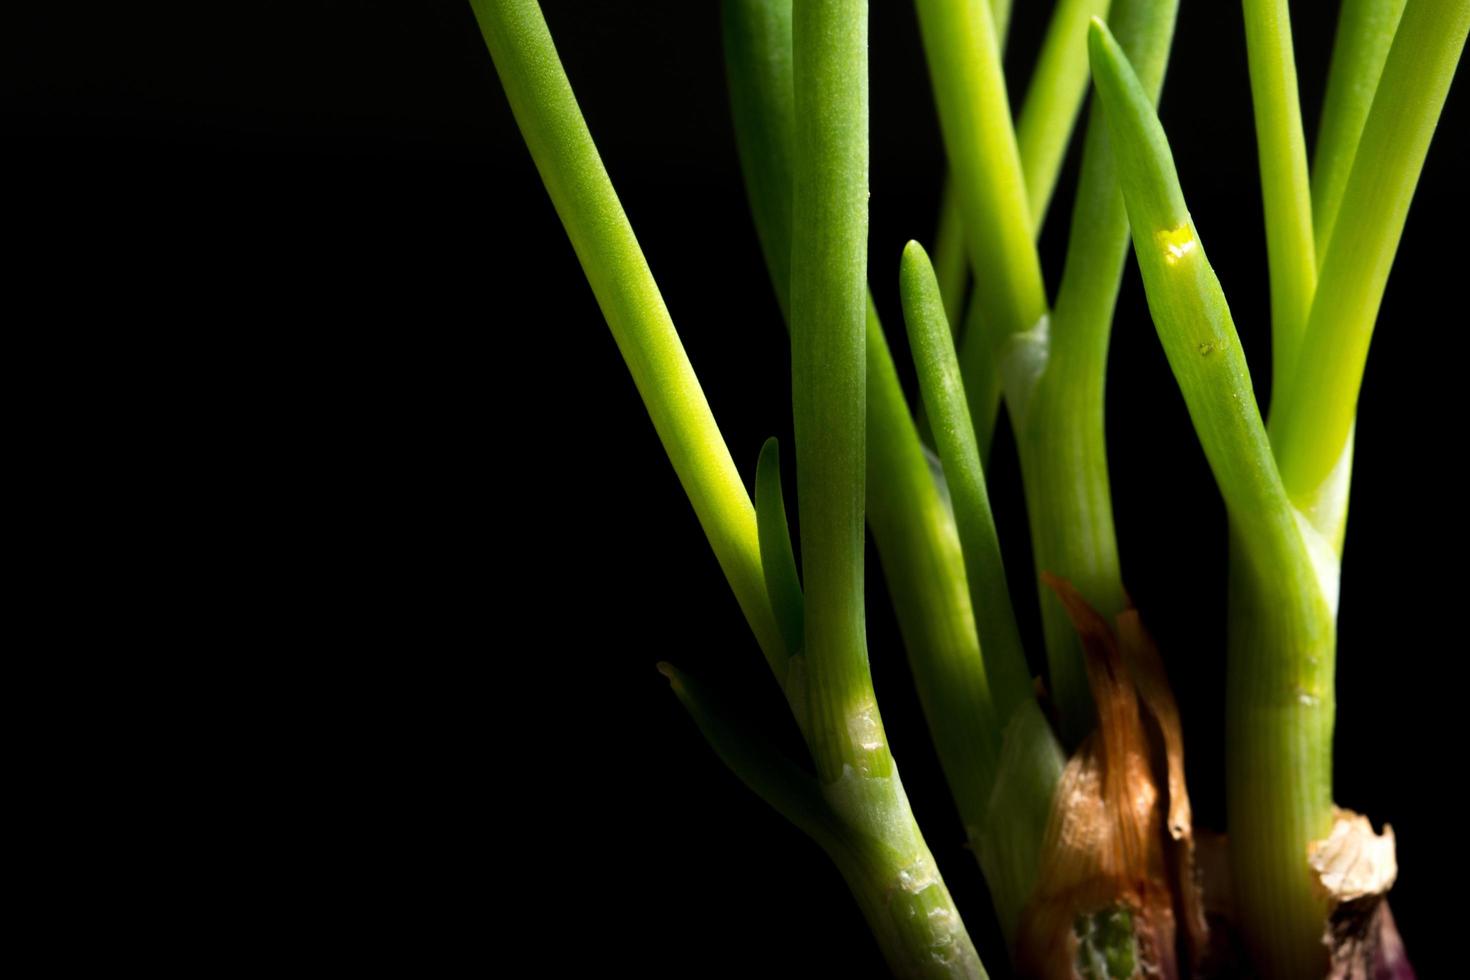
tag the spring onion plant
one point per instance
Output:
(1071, 787)
(1285, 482)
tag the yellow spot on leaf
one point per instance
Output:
(1177, 243)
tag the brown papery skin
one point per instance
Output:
(1114, 833)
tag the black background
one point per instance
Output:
(347, 368)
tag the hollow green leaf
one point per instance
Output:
(1365, 30)
(546, 110)
(944, 396)
(1053, 99)
(1282, 151)
(1311, 421)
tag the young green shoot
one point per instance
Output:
(1290, 248)
(561, 145)
(798, 79)
(1059, 420)
(912, 525)
(1365, 30)
(1053, 99)
(1284, 580)
(858, 811)
(959, 452)
(950, 262)
(1190, 312)
(1008, 841)
(908, 905)
(1313, 418)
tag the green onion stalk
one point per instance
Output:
(799, 97)
(1286, 493)
(1050, 364)
(910, 910)
(967, 666)
(853, 805)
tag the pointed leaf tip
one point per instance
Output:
(1104, 54)
(915, 270)
(1098, 37)
(1145, 165)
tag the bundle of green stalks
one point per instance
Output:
(1071, 788)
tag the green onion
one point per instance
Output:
(1286, 507)
(914, 529)
(798, 78)
(858, 811)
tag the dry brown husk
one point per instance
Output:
(1121, 836)
(1121, 832)
(1355, 868)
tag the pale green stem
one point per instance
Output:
(1280, 709)
(949, 255)
(1009, 836)
(828, 320)
(1365, 30)
(763, 106)
(1053, 100)
(861, 818)
(1048, 116)
(885, 863)
(1285, 188)
(894, 876)
(923, 564)
(551, 123)
(975, 120)
(913, 527)
(1059, 420)
(950, 263)
(944, 395)
(1312, 419)
(1284, 577)
(922, 560)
